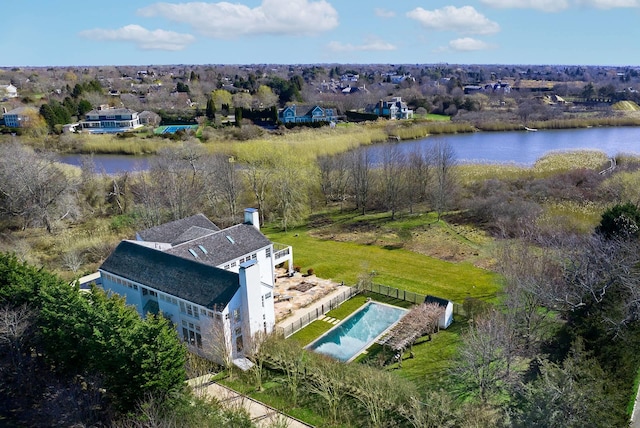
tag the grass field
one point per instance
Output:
(394, 267)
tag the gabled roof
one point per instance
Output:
(437, 300)
(21, 110)
(195, 282)
(222, 246)
(111, 112)
(171, 232)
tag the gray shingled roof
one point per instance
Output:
(170, 232)
(245, 239)
(190, 234)
(199, 283)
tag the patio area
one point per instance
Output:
(298, 292)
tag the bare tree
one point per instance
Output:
(327, 380)
(483, 362)
(392, 177)
(174, 181)
(361, 178)
(418, 171)
(334, 178)
(15, 331)
(33, 188)
(223, 180)
(444, 184)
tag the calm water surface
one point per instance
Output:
(522, 147)
(519, 147)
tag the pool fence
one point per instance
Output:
(320, 309)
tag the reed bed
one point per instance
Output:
(586, 122)
(307, 144)
(564, 161)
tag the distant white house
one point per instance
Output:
(394, 108)
(105, 120)
(216, 286)
(8, 91)
(447, 316)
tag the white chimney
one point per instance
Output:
(252, 217)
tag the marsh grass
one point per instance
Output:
(581, 217)
(549, 164)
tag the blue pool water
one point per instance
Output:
(172, 129)
(356, 333)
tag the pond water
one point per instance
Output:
(523, 147)
(519, 147)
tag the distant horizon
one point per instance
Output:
(41, 33)
(9, 67)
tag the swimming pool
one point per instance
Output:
(357, 332)
(172, 129)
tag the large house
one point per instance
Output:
(216, 286)
(105, 120)
(18, 117)
(302, 114)
(392, 109)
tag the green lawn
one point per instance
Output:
(394, 267)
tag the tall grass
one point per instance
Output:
(415, 130)
(565, 161)
(307, 144)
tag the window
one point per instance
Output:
(268, 252)
(267, 296)
(239, 344)
(236, 315)
(144, 291)
(254, 256)
(233, 264)
(191, 334)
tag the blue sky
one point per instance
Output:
(143, 32)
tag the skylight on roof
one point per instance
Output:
(193, 252)
(231, 239)
(204, 250)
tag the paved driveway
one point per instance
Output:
(261, 414)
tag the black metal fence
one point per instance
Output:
(317, 312)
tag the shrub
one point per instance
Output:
(310, 271)
(296, 268)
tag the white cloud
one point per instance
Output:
(143, 38)
(559, 5)
(371, 44)
(543, 5)
(467, 44)
(384, 13)
(610, 4)
(464, 19)
(227, 20)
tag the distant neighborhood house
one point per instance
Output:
(307, 114)
(394, 108)
(18, 117)
(103, 120)
(8, 91)
(216, 286)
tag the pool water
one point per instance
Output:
(356, 333)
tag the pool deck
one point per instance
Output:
(300, 294)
